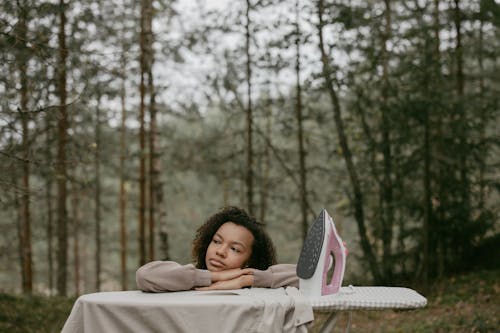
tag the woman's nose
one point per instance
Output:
(221, 251)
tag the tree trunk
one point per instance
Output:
(346, 152)
(50, 236)
(155, 186)
(142, 135)
(249, 171)
(97, 208)
(387, 201)
(48, 198)
(76, 230)
(431, 86)
(25, 214)
(484, 119)
(123, 193)
(435, 242)
(157, 190)
(264, 189)
(19, 220)
(462, 118)
(300, 131)
(62, 215)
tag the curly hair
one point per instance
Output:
(263, 253)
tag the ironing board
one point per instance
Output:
(365, 298)
(243, 310)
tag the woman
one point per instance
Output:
(231, 251)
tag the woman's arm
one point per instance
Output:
(161, 276)
(276, 276)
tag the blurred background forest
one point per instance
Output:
(125, 124)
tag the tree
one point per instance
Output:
(357, 200)
(25, 216)
(155, 186)
(146, 12)
(97, 212)
(123, 192)
(300, 130)
(62, 215)
(249, 111)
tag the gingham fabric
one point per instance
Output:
(369, 298)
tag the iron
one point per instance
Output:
(321, 246)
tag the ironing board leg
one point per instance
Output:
(329, 323)
(349, 320)
(332, 320)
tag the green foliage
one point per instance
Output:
(22, 314)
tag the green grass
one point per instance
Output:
(466, 303)
(20, 314)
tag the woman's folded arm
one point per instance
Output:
(161, 276)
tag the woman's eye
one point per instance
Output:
(216, 241)
(235, 250)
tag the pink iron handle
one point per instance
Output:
(339, 252)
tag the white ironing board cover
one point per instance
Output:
(369, 298)
(245, 310)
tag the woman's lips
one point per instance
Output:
(216, 263)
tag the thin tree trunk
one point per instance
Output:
(157, 193)
(387, 202)
(123, 193)
(142, 136)
(462, 119)
(431, 85)
(300, 131)
(427, 198)
(97, 207)
(85, 263)
(441, 192)
(25, 217)
(76, 230)
(18, 218)
(249, 171)
(346, 152)
(155, 186)
(50, 235)
(154, 162)
(62, 215)
(264, 190)
(48, 198)
(482, 134)
(437, 29)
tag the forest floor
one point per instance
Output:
(465, 303)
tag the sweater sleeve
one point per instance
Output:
(161, 276)
(277, 276)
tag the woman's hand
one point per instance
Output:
(231, 274)
(239, 282)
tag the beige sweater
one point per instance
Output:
(160, 276)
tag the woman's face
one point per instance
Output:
(231, 247)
